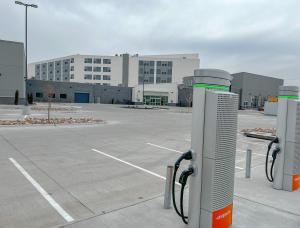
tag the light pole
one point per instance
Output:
(26, 72)
(143, 81)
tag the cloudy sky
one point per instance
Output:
(258, 36)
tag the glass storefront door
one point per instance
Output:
(156, 100)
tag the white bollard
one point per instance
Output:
(168, 187)
(248, 163)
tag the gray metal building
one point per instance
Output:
(254, 89)
(11, 71)
(74, 92)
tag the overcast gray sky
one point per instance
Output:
(258, 36)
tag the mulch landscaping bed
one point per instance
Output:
(43, 121)
(45, 108)
(260, 133)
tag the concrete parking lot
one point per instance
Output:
(58, 175)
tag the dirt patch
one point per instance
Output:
(271, 131)
(56, 121)
(55, 109)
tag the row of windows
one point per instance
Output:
(96, 77)
(164, 63)
(150, 80)
(51, 72)
(57, 63)
(146, 63)
(97, 69)
(158, 63)
(97, 60)
(51, 95)
(158, 71)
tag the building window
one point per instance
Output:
(106, 69)
(97, 60)
(106, 61)
(88, 60)
(39, 95)
(57, 63)
(106, 77)
(57, 71)
(107, 84)
(63, 96)
(66, 70)
(88, 68)
(97, 69)
(97, 77)
(72, 76)
(51, 95)
(72, 60)
(88, 76)
(57, 79)
(72, 68)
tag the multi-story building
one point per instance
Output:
(154, 77)
(11, 72)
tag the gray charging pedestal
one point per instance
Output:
(214, 130)
(287, 164)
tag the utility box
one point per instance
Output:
(214, 133)
(287, 165)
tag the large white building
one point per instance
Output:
(161, 73)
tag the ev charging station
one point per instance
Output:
(286, 156)
(212, 154)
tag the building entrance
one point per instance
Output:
(156, 100)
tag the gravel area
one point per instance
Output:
(42, 121)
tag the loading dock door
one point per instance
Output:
(82, 98)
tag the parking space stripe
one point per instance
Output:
(262, 155)
(166, 148)
(162, 147)
(39, 188)
(132, 165)
(249, 142)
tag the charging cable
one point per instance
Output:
(182, 180)
(184, 156)
(274, 156)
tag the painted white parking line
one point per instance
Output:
(242, 151)
(132, 165)
(249, 142)
(237, 167)
(39, 188)
(162, 147)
